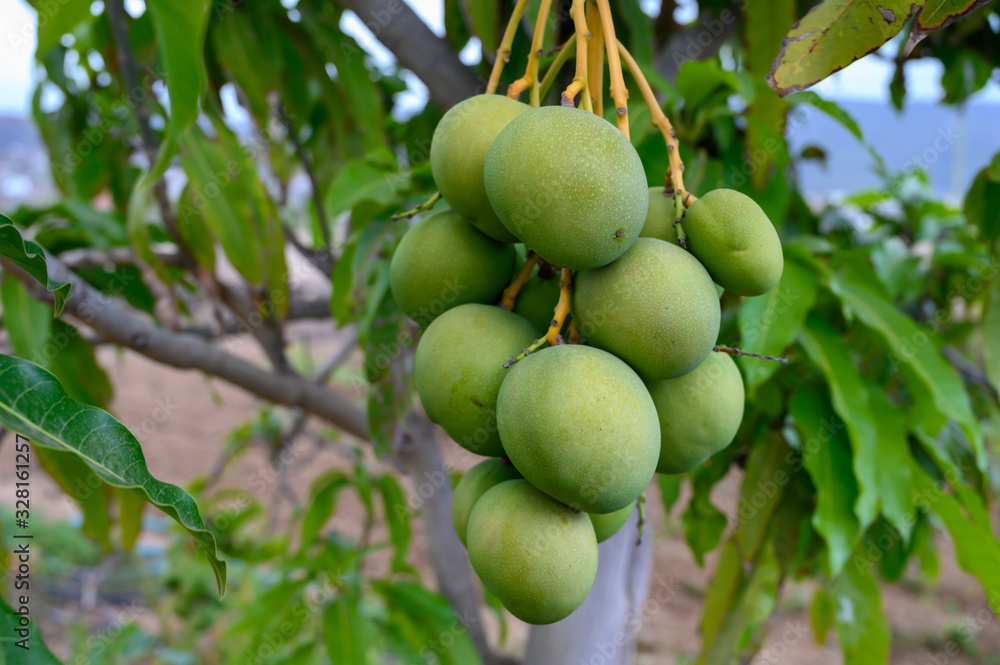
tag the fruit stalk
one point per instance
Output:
(530, 78)
(557, 65)
(423, 207)
(552, 336)
(736, 352)
(675, 172)
(579, 84)
(509, 297)
(641, 501)
(618, 92)
(595, 61)
(503, 51)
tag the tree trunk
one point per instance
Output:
(603, 630)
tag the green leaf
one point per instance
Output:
(55, 21)
(704, 524)
(29, 257)
(698, 81)
(437, 618)
(914, 352)
(670, 490)
(33, 404)
(28, 321)
(821, 614)
(76, 480)
(397, 515)
(831, 36)
(875, 426)
(75, 365)
(827, 458)
(180, 38)
(361, 180)
(482, 15)
(34, 651)
(768, 472)
(991, 333)
(936, 14)
(770, 323)
(323, 501)
(130, 506)
(862, 627)
(982, 202)
(346, 633)
(836, 112)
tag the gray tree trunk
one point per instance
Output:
(603, 630)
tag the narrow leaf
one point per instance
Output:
(54, 21)
(346, 633)
(397, 516)
(862, 626)
(33, 404)
(32, 651)
(991, 333)
(937, 14)
(29, 257)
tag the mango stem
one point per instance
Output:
(509, 297)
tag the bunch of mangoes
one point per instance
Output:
(573, 432)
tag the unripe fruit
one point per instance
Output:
(580, 426)
(609, 524)
(536, 555)
(735, 241)
(699, 413)
(473, 485)
(458, 150)
(655, 308)
(660, 217)
(443, 261)
(459, 368)
(537, 301)
(569, 184)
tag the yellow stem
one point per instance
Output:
(557, 65)
(618, 92)
(509, 297)
(675, 172)
(503, 51)
(530, 78)
(562, 307)
(579, 83)
(595, 62)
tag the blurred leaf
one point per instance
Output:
(77, 481)
(982, 202)
(770, 323)
(670, 490)
(54, 21)
(862, 627)
(768, 471)
(968, 74)
(194, 229)
(28, 322)
(832, 35)
(323, 501)
(991, 333)
(75, 366)
(437, 618)
(936, 14)
(114, 454)
(827, 458)
(130, 506)
(29, 257)
(911, 349)
(361, 180)
(33, 650)
(397, 515)
(700, 82)
(482, 15)
(875, 425)
(180, 36)
(837, 113)
(346, 632)
(821, 615)
(704, 524)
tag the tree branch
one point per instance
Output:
(418, 49)
(124, 326)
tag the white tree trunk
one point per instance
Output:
(603, 630)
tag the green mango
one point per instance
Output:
(699, 413)
(660, 217)
(474, 483)
(458, 149)
(458, 370)
(537, 301)
(442, 262)
(656, 308)
(569, 184)
(735, 241)
(538, 556)
(579, 425)
(609, 524)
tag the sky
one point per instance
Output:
(866, 79)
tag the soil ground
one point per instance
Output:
(925, 616)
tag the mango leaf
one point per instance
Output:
(31, 258)
(346, 632)
(482, 17)
(323, 501)
(831, 36)
(361, 180)
(54, 21)
(433, 613)
(130, 506)
(33, 404)
(32, 651)
(75, 365)
(982, 202)
(76, 480)
(768, 472)
(28, 322)
(704, 525)
(912, 349)
(821, 614)
(770, 323)
(936, 14)
(862, 627)
(827, 458)
(180, 37)
(397, 516)
(670, 490)
(991, 331)
(869, 416)
(836, 112)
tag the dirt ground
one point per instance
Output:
(182, 419)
